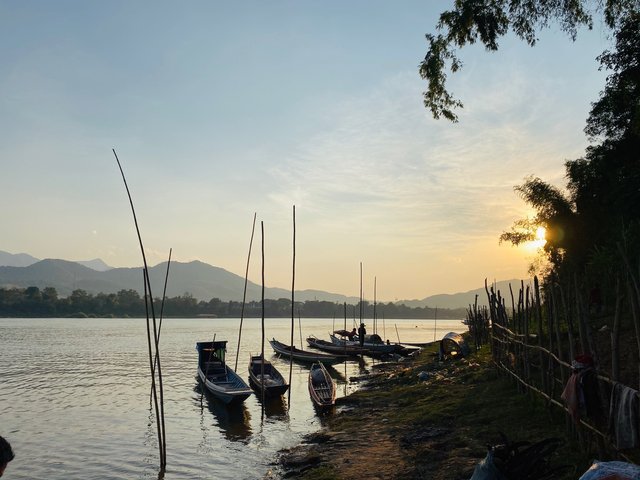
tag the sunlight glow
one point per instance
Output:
(540, 240)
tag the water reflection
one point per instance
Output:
(275, 407)
(234, 421)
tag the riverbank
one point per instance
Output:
(427, 419)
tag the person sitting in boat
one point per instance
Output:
(352, 333)
(361, 333)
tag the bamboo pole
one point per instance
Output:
(551, 384)
(476, 323)
(153, 377)
(361, 306)
(293, 289)
(164, 293)
(244, 294)
(164, 296)
(161, 433)
(567, 315)
(300, 330)
(538, 312)
(493, 312)
(435, 324)
(556, 326)
(583, 326)
(375, 318)
(262, 326)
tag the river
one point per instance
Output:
(75, 397)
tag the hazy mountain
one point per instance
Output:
(464, 299)
(16, 260)
(196, 278)
(201, 280)
(95, 264)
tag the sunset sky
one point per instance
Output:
(219, 109)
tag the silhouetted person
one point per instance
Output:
(6, 454)
(361, 333)
(352, 333)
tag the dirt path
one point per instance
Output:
(426, 419)
(365, 440)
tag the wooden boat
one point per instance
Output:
(331, 347)
(262, 374)
(373, 343)
(305, 355)
(321, 386)
(217, 377)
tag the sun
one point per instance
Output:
(540, 239)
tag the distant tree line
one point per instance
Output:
(33, 302)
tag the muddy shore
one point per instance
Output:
(425, 419)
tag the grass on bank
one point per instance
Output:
(464, 402)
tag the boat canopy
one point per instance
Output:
(373, 338)
(453, 343)
(219, 348)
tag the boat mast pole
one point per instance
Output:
(293, 283)
(244, 295)
(375, 317)
(262, 343)
(360, 292)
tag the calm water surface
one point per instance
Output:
(75, 397)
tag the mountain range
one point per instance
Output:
(201, 280)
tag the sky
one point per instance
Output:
(219, 110)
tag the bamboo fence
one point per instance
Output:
(535, 340)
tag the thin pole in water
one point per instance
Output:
(435, 324)
(360, 292)
(293, 289)
(300, 328)
(375, 318)
(384, 328)
(161, 432)
(164, 296)
(153, 377)
(244, 295)
(397, 333)
(262, 343)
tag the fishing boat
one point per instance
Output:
(217, 377)
(330, 347)
(263, 375)
(305, 355)
(321, 386)
(373, 343)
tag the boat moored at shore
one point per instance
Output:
(217, 377)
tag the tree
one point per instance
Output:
(600, 209)
(616, 115)
(554, 212)
(487, 21)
